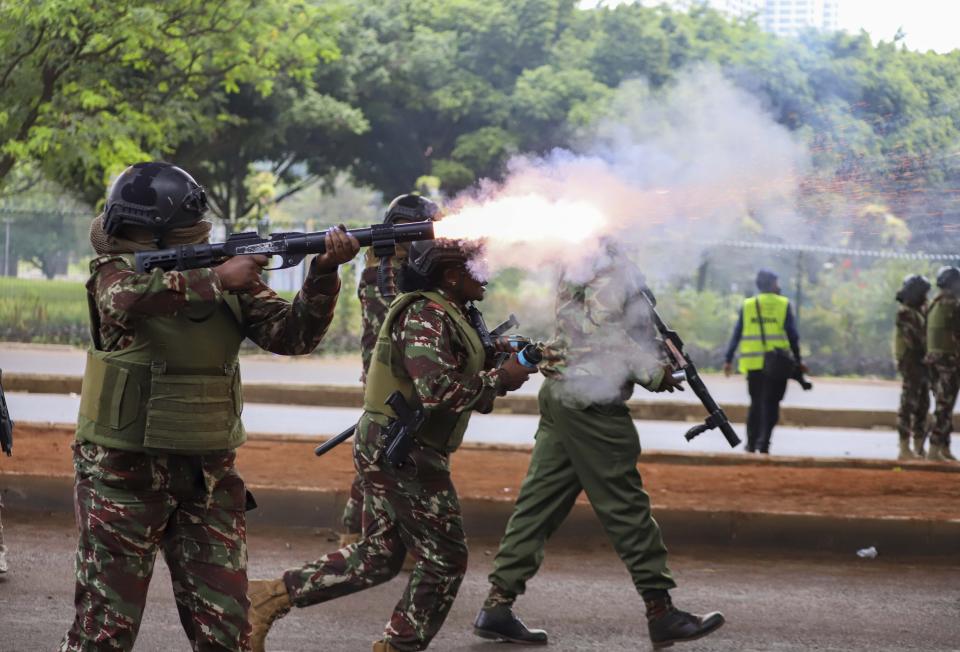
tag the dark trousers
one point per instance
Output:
(765, 397)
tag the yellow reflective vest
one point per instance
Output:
(773, 307)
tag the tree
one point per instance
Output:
(88, 88)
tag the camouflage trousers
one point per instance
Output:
(413, 508)
(130, 505)
(913, 415)
(352, 519)
(945, 371)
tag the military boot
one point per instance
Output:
(384, 646)
(669, 625)
(945, 451)
(499, 623)
(918, 447)
(935, 453)
(269, 601)
(905, 452)
(4, 566)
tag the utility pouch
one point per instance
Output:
(193, 413)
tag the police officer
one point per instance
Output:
(426, 349)
(910, 348)
(376, 290)
(777, 331)
(943, 357)
(586, 441)
(160, 413)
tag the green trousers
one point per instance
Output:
(593, 449)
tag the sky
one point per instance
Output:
(928, 24)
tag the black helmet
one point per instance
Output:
(426, 256)
(155, 196)
(914, 290)
(410, 208)
(948, 277)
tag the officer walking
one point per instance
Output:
(943, 357)
(160, 413)
(376, 290)
(428, 351)
(586, 441)
(910, 348)
(765, 323)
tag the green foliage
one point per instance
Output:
(43, 311)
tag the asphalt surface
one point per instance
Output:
(506, 428)
(581, 596)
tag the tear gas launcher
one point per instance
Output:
(716, 417)
(291, 247)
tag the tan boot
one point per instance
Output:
(384, 646)
(348, 538)
(945, 451)
(935, 453)
(905, 452)
(918, 447)
(268, 602)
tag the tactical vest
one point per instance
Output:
(773, 307)
(942, 326)
(443, 430)
(175, 389)
(900, 347)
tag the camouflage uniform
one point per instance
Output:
(129, 504)
(944, 369)
(373, 308)
(586, 439)
(414, 508)
(915, 395)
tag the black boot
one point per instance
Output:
(669, 625)
(500, 624)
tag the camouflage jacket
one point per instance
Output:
(912, 330)
(605, 340)
(433, 360)
(122, 296)
(373, 306)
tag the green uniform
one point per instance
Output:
(427, 350)
(910, 348)
(943, 356)
(586, 441)
(159, 417)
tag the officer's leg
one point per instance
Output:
(773, 391)
(352, 518)
(945, 390)
(427, 508)
(603, 446)
(546, 497)
(122, 508)
(755, 412)
(206, 549)
(921, 418)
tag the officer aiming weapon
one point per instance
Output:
(6, 423)
(292, 247)
(717, 418)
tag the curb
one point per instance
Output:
(351, 396)
(486, 518)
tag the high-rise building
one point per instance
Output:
(782, 17)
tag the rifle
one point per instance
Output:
(6, 423)
(716, 417)
(292, 247)
(529, 354)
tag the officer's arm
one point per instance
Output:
(425, 336)
(291, 327)
(735, 337)
(790, 326)
(123, 294)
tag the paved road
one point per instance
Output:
(506, 429)
(833, 393)
(825, 603)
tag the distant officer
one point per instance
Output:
(910, 348)
(160, 413)
(778, 331)
(586, 442)
(428, 350)
(943, 356)
(376, 290)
